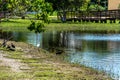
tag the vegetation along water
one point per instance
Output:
(38, 43)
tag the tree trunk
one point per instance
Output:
(64, 16)
(22, 17)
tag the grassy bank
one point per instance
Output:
(21, 25)
(85, 27)
(45, 66)
(15, 25)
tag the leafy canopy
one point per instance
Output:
(42, 9)
(37, 27)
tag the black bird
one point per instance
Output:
(12, 45)
(10, 48)
(59, 52)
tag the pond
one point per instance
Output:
(100, 51)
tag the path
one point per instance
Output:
(12, 63)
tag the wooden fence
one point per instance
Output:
(90, 16)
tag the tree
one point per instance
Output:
(16, 7)
(68, 4)
(37, 27)
(4, 7)
(96, 6)
(42, 9)
(19, 7)
(65, 5)
(85, 5)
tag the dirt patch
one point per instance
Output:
(15, 65)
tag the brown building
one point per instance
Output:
(113, 4)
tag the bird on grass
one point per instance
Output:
(11, 47)
(59, 52)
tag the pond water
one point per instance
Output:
(96, 50)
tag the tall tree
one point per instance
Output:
(58, 5)
(16, 7)
(19, 7)
(42, 9)
(4, 7)
(64, 5)
(67, 4)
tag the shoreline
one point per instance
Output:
(45, 65)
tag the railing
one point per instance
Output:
(111, 15)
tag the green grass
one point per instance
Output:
(44, 66)
(85, 27)
(15, 25)
(21, 25)
(7, 74)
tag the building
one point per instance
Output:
(108, 4)
(113, 4)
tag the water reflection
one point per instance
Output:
(99, 51)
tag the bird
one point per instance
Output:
(12, 45)
(10, 48)
(59, 52)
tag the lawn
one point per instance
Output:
(21, 25)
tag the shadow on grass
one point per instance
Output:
(56, 21)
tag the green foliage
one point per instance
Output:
(15, 7)
(45, 17)
(32, 26)
(69, 4)
(85, 4)
(96, 7)
(37, 27)
(42, 9)
(20, 7)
